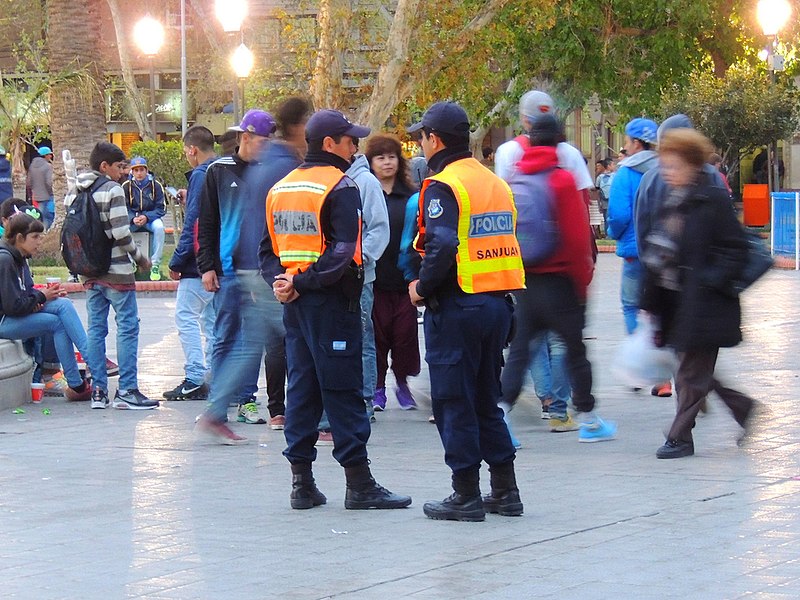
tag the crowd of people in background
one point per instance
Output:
(300, 252)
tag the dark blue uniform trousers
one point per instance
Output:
(464, 342)
(323, 356)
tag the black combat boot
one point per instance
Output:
(464, 504)
(304, 491)
(363, 491)
(504, 499)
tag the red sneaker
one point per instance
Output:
(662, 390)
(73, 396)
(277, 422)
(219, 432)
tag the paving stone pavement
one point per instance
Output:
(122, 504)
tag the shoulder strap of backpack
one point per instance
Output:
(523, 140)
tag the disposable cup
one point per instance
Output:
(37, 392)
(53, 281)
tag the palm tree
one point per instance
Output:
(77, 112)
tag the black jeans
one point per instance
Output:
(549, 303)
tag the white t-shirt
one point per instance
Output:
(570, 158)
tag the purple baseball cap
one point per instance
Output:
(257, 122)
(329, 123)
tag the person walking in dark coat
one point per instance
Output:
(692, 254)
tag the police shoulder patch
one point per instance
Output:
(435, 209)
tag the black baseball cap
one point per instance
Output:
(327, 122)
(444, 117)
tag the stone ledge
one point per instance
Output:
(167, 286)
(16, 369)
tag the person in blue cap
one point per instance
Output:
(311, 256)
(40, 182)
(146, 209)
(640, 139)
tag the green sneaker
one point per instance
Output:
(155, 273)
(248, 413)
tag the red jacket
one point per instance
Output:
(574, 255)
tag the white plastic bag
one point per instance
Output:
(639, 363)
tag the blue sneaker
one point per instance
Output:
(517, 444)
(597, 431)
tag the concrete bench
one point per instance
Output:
(16, 370)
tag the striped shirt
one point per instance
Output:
(110, 200)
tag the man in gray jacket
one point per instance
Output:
(40, 181)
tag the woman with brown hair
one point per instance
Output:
(691, 257)
(393, 315)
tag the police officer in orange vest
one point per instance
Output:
(471, 261)
(311, 256)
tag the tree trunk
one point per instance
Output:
(205, 22)
(334, 20)
(476, 136)
(383, 99)
(133, 96)
(405, 84)
(77, 120)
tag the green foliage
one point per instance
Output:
(165, 159)
(739, 112)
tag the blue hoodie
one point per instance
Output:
(144, 197)
(184, 260)
(6, 190)
(622, 198)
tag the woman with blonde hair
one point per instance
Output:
(691, 257)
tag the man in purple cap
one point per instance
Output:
(311, 255)
(230, 228)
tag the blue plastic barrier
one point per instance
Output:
(785, 215)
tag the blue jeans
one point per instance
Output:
(156, 228)
(549, 372)
(260, 322)
(630, 291)
(57, 317)
(194, 314)
(126, 313)
(48, 210)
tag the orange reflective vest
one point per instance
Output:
(489, 258)
(294, 207)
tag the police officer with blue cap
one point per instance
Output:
(311, 256)
(470, 261)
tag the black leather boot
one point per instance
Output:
(504, 499)
(464, 504)
(363, 491)
(304, 491)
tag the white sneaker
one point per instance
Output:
(248, 413)
(100, 399)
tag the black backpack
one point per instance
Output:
(84, 244)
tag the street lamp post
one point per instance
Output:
(231, 15)
(242, 62)
(772, 16)
(149, 36)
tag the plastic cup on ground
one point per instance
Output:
(53, 282)
(37, 392)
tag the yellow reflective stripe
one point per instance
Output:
(300, 186)
(295, 255)
(492, 265)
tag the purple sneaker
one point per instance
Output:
(379, 401)
(404, 397)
